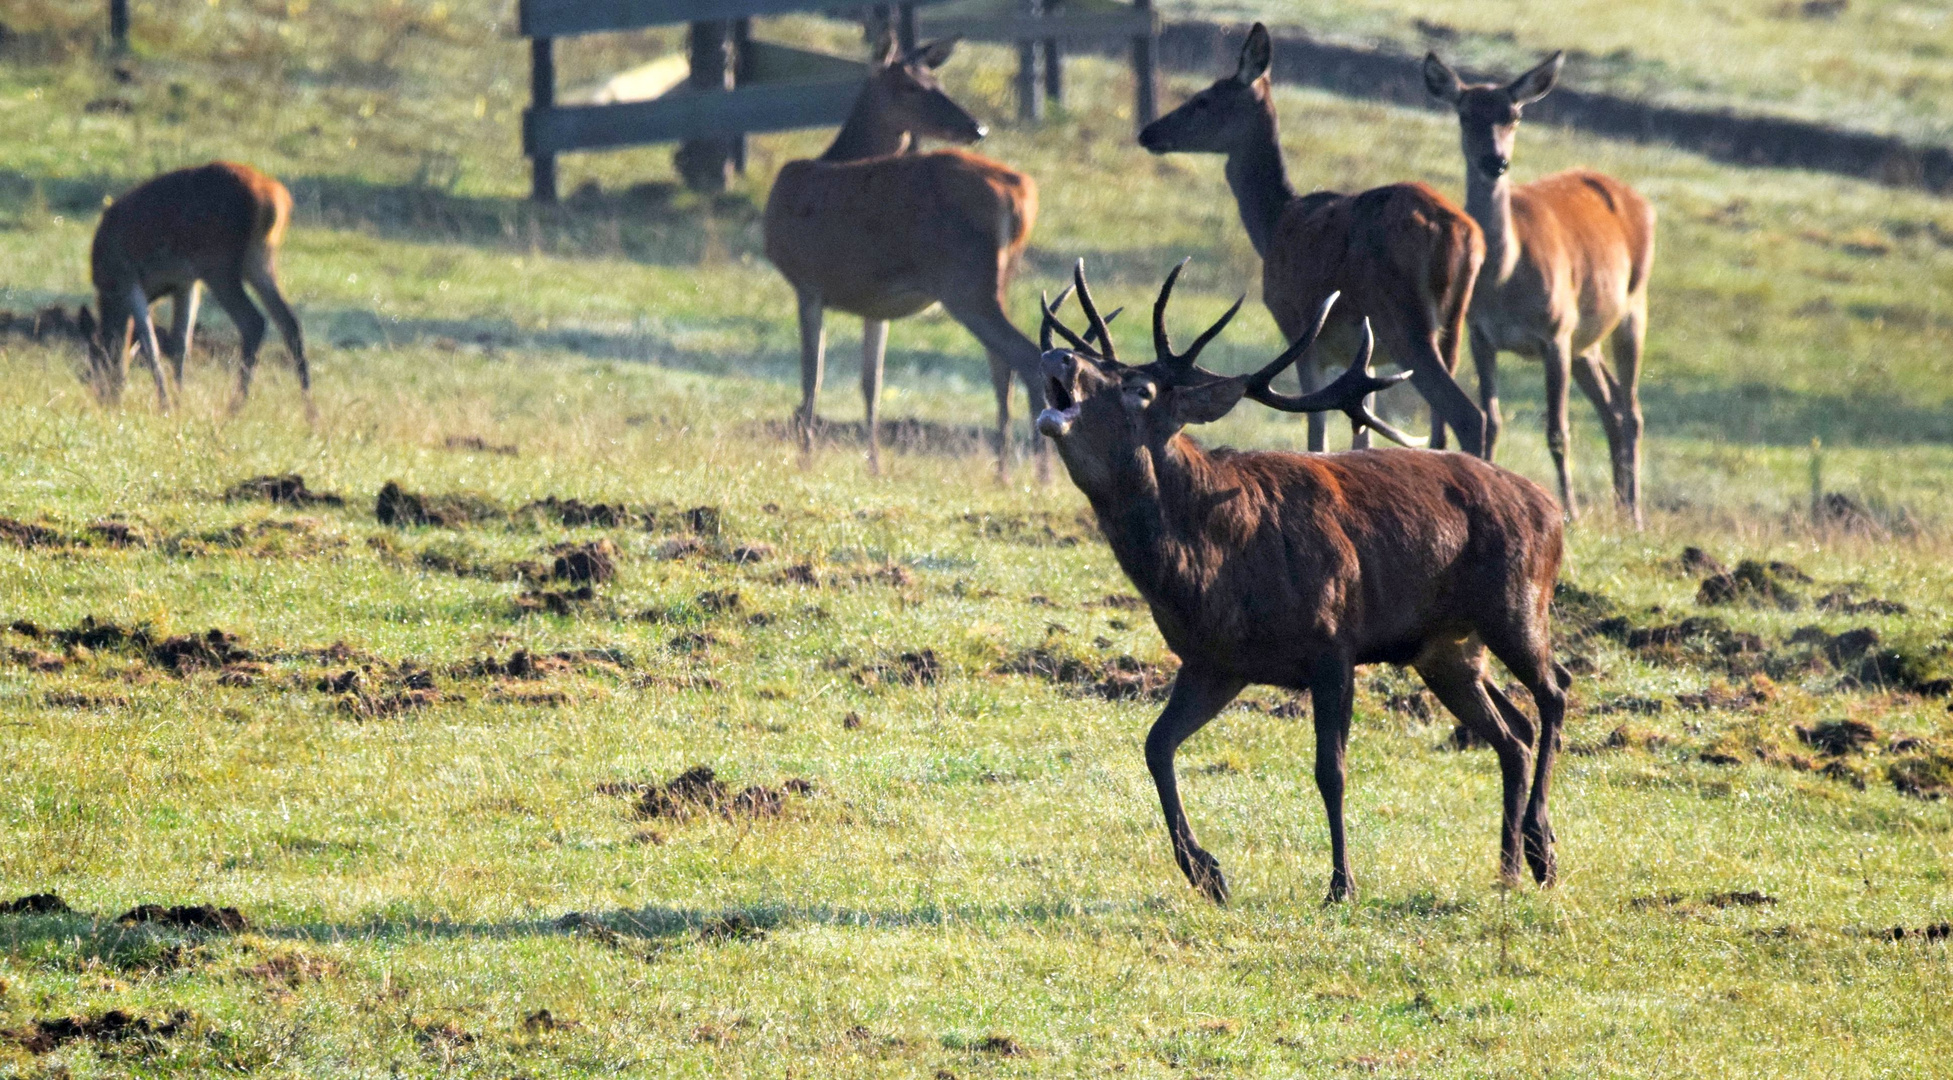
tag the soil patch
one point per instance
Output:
(187, 653)
(479, 445)
(1759, 584)
(1114, 678)
(698, 791)
(227, 920)
(554, 601)
(24, 535)
(1843, 602)
(1922, 776)
(287, 489)
(36, 904)
(1838, 737)
(907, 435)
(1935, 932)
(594, 562)
(48, 323)
(47, 1035)
(919, 667)
(735, 926)
(396, 506)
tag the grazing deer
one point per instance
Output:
(1291, 569)
(871, 230)
(1566, 266)
(219, 225)
(1402, 255)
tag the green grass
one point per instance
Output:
(980, 870)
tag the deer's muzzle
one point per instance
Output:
(1060, 382)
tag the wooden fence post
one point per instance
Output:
(542, 95)
(1030, 96)
(1145, 74)
(119, 25)
(1054, 71)
(704, 163)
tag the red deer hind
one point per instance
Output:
(219, 225)
(1567, 261)
(877, 232)
(1292, 569)
(1402, 255)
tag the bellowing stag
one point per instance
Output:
(1291, 569)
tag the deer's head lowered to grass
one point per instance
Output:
(1292, 569)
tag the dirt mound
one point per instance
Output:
(396, 506)
(733, 926)
(918, 667)
(1719, 901)
(1844, 602)
(1721, 695)
(594, 562)
(50, 322)
(1838, 512)
(377, 691)
(92, 633)
(1935, 932)
(287, 489)
(554, 601)
(1922, 776)
(577, 514)
(907, 435)
(1758, 584)
(479, 445)
(47, 1035)
(1839, 737)
(24, 535)
(36, 904)
(1694, 560)
(112, 533)
(699, 790)
(187, 653)
(227, 920)
(1114, 678)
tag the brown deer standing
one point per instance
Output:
(218, 224)
(1567, 261)
(1403, 255)
(871, 230)
(1292, 569)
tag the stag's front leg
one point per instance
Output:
(1332, 694)
(813, 358)
(1198, 696)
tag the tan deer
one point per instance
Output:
(1292, 569)
(1403, 256)
(1567, 261)
(874, 231)
(217, 225)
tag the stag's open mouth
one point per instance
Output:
(1055, 421)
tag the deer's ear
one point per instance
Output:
(934, 54)
(1441, 81)
(886, 52)
(1534, 84)
(1256, 55)
(1207, 402)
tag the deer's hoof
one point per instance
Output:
(1341, 891)
(1204, 872)
(1539, 856)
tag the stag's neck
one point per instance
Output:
(1489, 202)
(1259, 179)
(866, 134)
(1154, 518)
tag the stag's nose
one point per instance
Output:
(1495, 165)
(1060, 373)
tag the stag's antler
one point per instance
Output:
(1346, 394)
(1183, 363)
(1096, 327)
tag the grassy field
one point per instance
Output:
(447, 860)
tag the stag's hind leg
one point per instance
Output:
(1000, 376)
(1332, 694)
(1455, 672)
(874, 350)
(145, 334)
(1524, 650)
(265, 284)
(183, 324)
(250, 322)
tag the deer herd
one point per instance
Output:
(1272, 568)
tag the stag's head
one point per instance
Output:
(1106, 416)
(1224, 116)
(904, 89)
(1488, 114)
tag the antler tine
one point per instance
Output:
(1109, 316)
(1260, 381)
(1097, 328)
(1051, 323)
(1193, 351)
(1345, 395)
(1162, 345)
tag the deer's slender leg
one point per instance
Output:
(982, 313)
(265, 284)
(145, 334)
(1558, 358)
(1332, 695)
(1455, 672)
(1523, 648)
(1000, 375)
(1407, 335)
(1485, 358)
(1197, 697)
(250, 331)
(108, 355)
(1308, 379)
(813, 357)
(1630, 336)
(874, 346)
(183, 323)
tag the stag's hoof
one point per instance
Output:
(1341, 891)
(1539, 856)
(1204, 871)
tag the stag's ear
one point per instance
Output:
(1256, 55)
(934, 54)
(1207, 402)
(1441, 81)
(1534, 84)
(884, 48)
